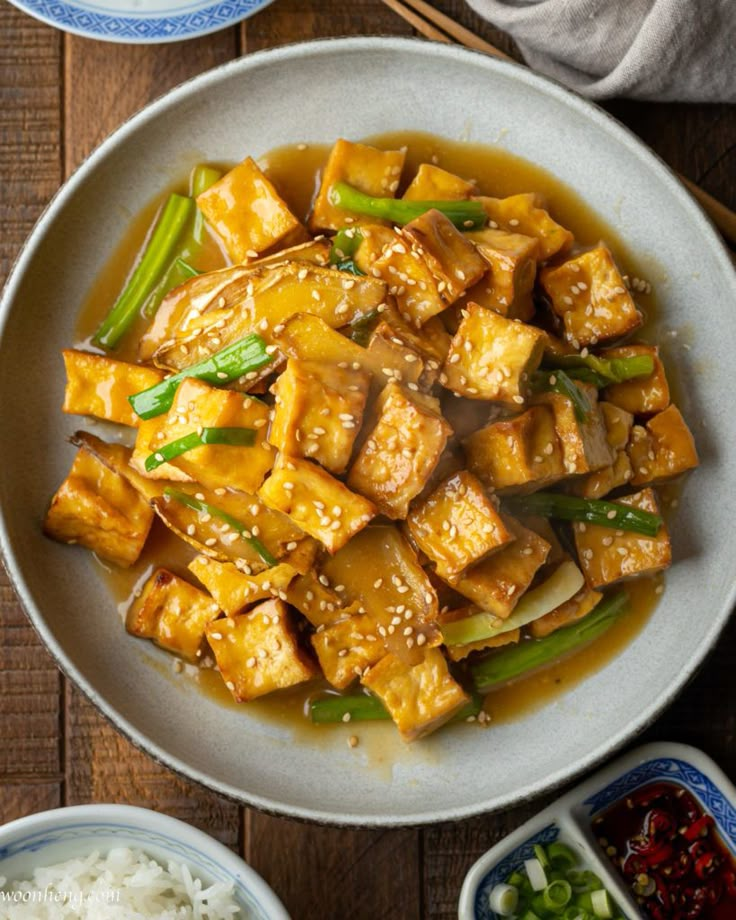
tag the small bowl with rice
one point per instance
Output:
(116, 862)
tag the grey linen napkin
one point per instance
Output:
(662, 50)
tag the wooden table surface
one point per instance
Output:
(59, 97)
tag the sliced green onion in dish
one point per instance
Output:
(503, 900)
(561, 856)
(232, 437)
(604, 371)
(511, 662)
(564, 583)
(157, 255)
(241, 357)
(559, 382)
(536, 874)
(601, 903)
(589, 510)
(466, 215)
(557, 894)
(344, 246)
(203, 507)
(364, 707)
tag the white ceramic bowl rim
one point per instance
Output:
(36, 831)
(324, 48)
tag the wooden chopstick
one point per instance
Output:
(441, 28)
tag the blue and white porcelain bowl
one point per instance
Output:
(141, 21)
(68, 833)
(570, 818)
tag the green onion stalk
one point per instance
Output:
(466, 215)
(363, 707)
(588, 510)
(603, 371)
(232, 437)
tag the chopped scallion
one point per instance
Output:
(233, 437)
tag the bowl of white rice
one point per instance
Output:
(116, 862)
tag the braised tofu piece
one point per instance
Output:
(491, 357)
(198, 406)
(420, 697)
(401, 451)
(519, 454)
(457, 525)
(173, 613)
(497, 583)
(372, 171)
(319, 411)
(525, 214)
(618, 424)
(429, 268)
(511, 270)
(248, 214)
(233, 590)
(434, 184)
(607, 555)
(258, 652)
(640, 395)
(662, 450)
(318, 602)
(428, 345)
(316, 502)
(394, 590)
(99, 509)
(585, 446)
(589, 295)
(309, 338)
(570, 612)
(346, 649)
(374, 238)
(100, 386)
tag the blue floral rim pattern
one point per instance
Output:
(87, 831)
(503, 869)
(678, 771)
(134, 27)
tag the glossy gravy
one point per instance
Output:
(295, 170)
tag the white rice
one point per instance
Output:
(125, 884)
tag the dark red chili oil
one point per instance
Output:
(670, 854)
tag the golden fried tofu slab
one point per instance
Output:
(585, 446)
(525, 214)
(427, 346)
(248, 214)
(318, 412)
(511, 269)
(589, 295)
(316, 502)
(607, 555)
(346, 649)
(173, 613)
(640, 395)
(372, 171)
(99, 509)
(662, 450)
(258, 652)
(308, 338)
(497, 583)
(519, 454)
(457, 525)
(317, 601)
(429, 267)
(401, 451)
(100, 386)
(393, 590)
(198, 406)
(491, 357)
(618, 424)
(431, 183)
(233, 590)
(420, 697)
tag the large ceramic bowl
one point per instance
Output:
(355, 88)
(62, 834)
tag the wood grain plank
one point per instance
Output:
(20, 799)
(335, 873)
(102, 766)
(31, 169)
(104, 83)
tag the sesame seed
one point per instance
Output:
(353, 741)
(346, 717)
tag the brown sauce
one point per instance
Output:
(295, 172)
